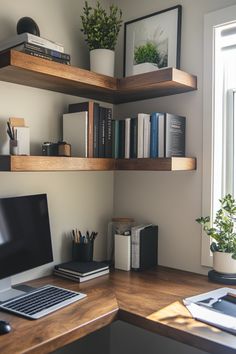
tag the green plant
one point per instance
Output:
(147, 53)
(100, 28)
(222, 230)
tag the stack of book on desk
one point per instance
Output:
(36, 46)
(81, 271)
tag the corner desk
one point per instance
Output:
(151, 300)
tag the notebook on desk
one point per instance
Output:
(217, 308)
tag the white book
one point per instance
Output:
(122, 252)
(23, 138)
(75, 132)
(127, 138)
(30, 38)
(146, 136)
(161, 135)
(141, 117)
(135, 243)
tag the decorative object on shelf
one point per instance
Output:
(152, 42)
(222, 231)
(101, 30)
(61, 148)
(27, 25)
(19, 135)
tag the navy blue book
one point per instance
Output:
(121, 147)
(133, 138)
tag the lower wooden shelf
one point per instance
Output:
(160, 164)
(55, 163)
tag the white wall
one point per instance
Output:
(76, 199)
(170, 199)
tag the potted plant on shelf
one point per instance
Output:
(101, 31)
(222, 231)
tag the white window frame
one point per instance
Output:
(211, 21)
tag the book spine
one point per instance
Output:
(43, 42)
(140, 136)
(135, 243)
(154, 136)
(127, 138)
(45, 56)
(96, 129)
(133, 138)
(116, 138)
(44, 50)
(88, 106)
(108, 132)
(174, 135)
(121, 139)
(146, 136)
(101, 132)
(161, 135)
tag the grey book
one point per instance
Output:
(75, 132)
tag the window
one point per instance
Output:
(219, 131)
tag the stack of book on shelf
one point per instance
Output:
(81, 271)
(37, 46)
(149, 136)
(88, 128)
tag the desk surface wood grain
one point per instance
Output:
(151, 300)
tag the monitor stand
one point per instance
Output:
(7, 292)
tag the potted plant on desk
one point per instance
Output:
(101, 30)
(224, 236)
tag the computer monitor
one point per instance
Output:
(25, 238)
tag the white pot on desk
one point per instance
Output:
(224, 263)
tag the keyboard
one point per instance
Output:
(41, 301)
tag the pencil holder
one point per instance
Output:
(82, 252)
(14, 147)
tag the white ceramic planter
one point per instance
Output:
(224, 263)
(144, 68)
(102, 61)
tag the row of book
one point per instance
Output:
(81, 271)
(37, 46)
(88, 128)
(92, 132)
(149, 136)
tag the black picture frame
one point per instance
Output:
(159, 35)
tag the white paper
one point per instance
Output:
(208, 315)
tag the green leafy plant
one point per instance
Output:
(100, 28)
(147, 53)
(222, 230)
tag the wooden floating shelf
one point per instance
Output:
(54, 163)
(24, 69)
(160, 164)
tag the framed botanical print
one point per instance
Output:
(153, 42)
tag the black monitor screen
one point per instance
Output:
(25, 238)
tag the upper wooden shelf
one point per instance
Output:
(24, 69)
(46, 163)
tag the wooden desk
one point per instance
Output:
(151, 300)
